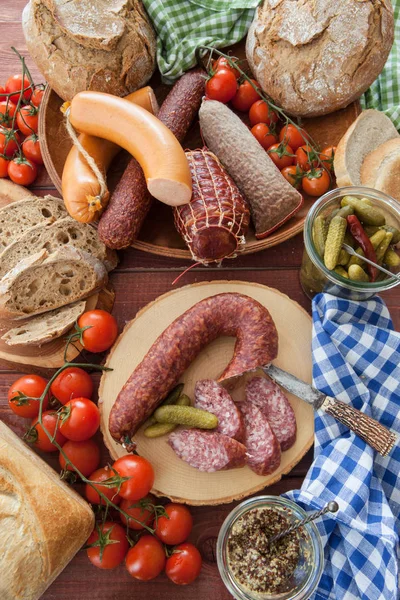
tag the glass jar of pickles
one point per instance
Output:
(369, 222)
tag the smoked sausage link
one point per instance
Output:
(228, 314)
(217, 217)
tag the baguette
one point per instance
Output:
(43, 521)
(52, 237)
(44, 282)
(368, 131)
(381, 168)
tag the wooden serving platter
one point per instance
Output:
(158, 234)
(175, 478)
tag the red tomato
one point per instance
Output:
(73, 382)
(316, 182)
(245, 96)
(175, 528)
(146, 559)
(2, 92)
(14, 84)
(306, 158)
(7, 111)
(3, 167)
(9, 141)
(80, 419)
(24, 394)
(327, 156)
(22, 171)
(85, 456)
(141, 475)
(37, 96)
(260, 112)
(294, 175)
(31, 149)
(98, 477)
(184, 566)
(222, 86)
(281, 154)
(263, 135)
(102, 330)
(142, 511)
(222, 63)
(28, 119)
(294, 136)
(113, 553)
(38, 436)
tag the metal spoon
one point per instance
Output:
(330, 507)
(351, 251)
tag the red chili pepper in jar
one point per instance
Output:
(358, 233)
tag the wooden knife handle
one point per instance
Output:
(368, 429)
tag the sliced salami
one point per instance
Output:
(263, 449)
(270, 399)
(207, 451)
(211, 396)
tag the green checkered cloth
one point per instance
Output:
(184, 25)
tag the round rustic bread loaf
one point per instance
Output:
(106, 45)
(316, 56)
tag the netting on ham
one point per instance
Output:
(216, 220)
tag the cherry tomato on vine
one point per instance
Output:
(37, 96)
(141, 475)
(316, 182)
(97, 477)
(84, 455)
(306, 158)
(175, 528)
(327, 156)
(294, 136)
(31, 149)
(139, 510)
(22, 171)
(2, 93)
(184, 566)
(106, 555)
(28, 119)
(102, 330)
(222, 63)
(9, 141)
(245, 96)
(264, 135)
(281, 154)
(14, 84)
(222, 86)
(24, 394)
(146, 559)
(293, 175)
(80, 419)
(38, 436)
(3, 167)
(260, 112)
(73, 382)
(7, 111)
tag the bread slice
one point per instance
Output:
(18, 217)
(44, 282)
(381, 168)
(368, 131)
(54, 236)
(46, 327)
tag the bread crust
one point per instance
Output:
(316, 56)
(380, 167)
(43, 521)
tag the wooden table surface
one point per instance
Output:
(139, 279)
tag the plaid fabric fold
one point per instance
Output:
(356, 358)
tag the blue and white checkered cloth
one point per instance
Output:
(356, 358)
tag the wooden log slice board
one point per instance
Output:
(158, 234)
(174, 477)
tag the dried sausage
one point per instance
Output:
(211, 396)
(217, 217)
(207, 450)
(263, 449)
(229, 314)
(272, 402)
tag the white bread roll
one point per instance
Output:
(313, 57)
(381, 168)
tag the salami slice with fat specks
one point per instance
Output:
(270, 399)
(211, 396)
(263, 449)
(207, 451)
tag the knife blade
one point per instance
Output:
(295, 386)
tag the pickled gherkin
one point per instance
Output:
(341, 271)
(391, 258)
(320, 231)
(376, 239)
(357, 273)
(334, 241)
(383, 246)
(186, 415)
(159, 429)
(369, 215)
